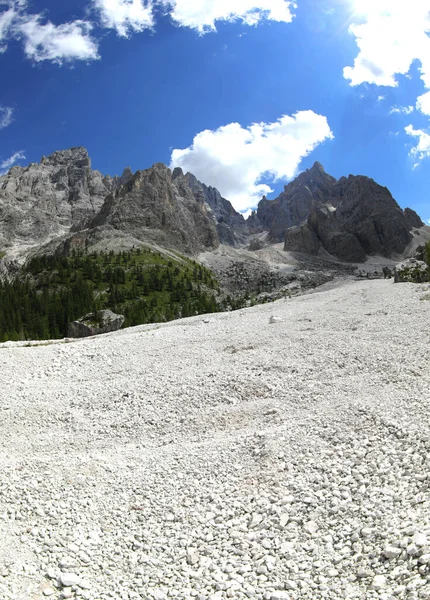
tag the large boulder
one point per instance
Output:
(301, 238)
(103, 321)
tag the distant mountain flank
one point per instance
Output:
(61, 203)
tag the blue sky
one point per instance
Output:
(244, 93)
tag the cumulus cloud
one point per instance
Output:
(44, 40)
(237, 159)
(423, 103)
(6, 116)
(422, 149)
(67, 42)
(203, 14)
(125, 16)
(392, 36)
(11, 161)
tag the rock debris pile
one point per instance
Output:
(277, 453)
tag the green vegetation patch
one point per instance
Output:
(143, 285)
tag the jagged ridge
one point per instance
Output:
(62, 201)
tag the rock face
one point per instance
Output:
(157, 207)
(293, 205)
(62, 202)
(104, 321)
(231, 226)
(51, 198)
(350, 218)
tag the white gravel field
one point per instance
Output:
(224, 456)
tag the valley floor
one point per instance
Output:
(278, 452)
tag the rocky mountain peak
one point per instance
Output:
(177, 172)
(317, 168)
(127, 175)
(67, 157)
(294, 204)
(316, 174)
(50, 198)
(350, 219)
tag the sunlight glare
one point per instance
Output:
(368, 7)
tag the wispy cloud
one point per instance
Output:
(237, 159)
(422, 149)
(6, 20)
(401, 110)
(6, 116)
(11, 161)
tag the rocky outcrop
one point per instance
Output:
(103, 321)
(157, 207)
(412, 270)
(50, 198)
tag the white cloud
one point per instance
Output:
(46, 41)
(380, 98)
(43, 40)
(6, 116)
(9, 162)
(401, 110)
(57, 43)
(422, 149)
(423, 103)
(125, 16)
(392, 36)
(203, 14)
(235, 159)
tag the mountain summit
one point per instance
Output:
(349, 218)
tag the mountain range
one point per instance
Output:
(62, 203)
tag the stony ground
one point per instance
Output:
(279, 452)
